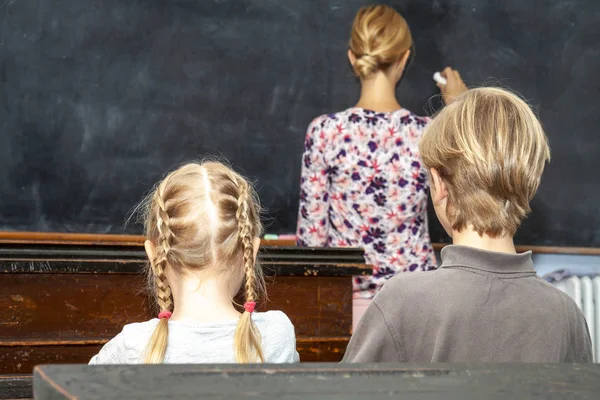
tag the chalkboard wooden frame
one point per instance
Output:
(137, 240)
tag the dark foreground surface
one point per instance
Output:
(318, 381)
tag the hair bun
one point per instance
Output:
(365, 65)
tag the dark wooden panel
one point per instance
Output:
(322, 349)
(69, 306)
(23, 358)
(321, 381)
(65, 306)
(16, 387)
(86, 258)
(318, 306)
(50, 252)
(270, 268)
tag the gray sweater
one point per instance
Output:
(202, 343)
(479, 306)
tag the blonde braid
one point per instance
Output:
(247, 336)
(245, 234)
(165, 237)
(157, 346)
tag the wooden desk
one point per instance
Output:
(61, 300)
(319, 381)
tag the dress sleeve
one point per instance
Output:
(313, 221)
(422, 124)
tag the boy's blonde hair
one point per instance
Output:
(490, 150)
(380, 37)
(204, 215)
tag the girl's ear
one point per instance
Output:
(255, 246)
(150, 250)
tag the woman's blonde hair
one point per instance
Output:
(204, 215)
(380, 37)
(490, 150)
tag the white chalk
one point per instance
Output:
(439, 78)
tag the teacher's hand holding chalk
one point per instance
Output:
(450, 84)
(439, 78)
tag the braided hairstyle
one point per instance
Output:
(204, 215)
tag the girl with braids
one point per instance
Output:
(202, 225)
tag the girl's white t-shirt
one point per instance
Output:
(202, 343)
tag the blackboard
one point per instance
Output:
(99, 98)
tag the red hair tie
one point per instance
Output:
(249, 306)
(164, 314)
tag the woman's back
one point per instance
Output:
(363, 185)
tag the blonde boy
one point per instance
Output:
(485, 152)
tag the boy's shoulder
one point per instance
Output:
(434, 285)
(413, 283)
(560, 298)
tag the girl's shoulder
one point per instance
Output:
(136, 328)
(273, 318)
(136, 335)
(278, 336)
(126, 347)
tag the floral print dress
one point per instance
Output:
(363, 185)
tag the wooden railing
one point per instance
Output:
(133, 240)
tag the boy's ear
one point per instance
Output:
(439, 191)
(150, 250)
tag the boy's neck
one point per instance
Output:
(202, 301)
(469, 237)
(378, 94)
